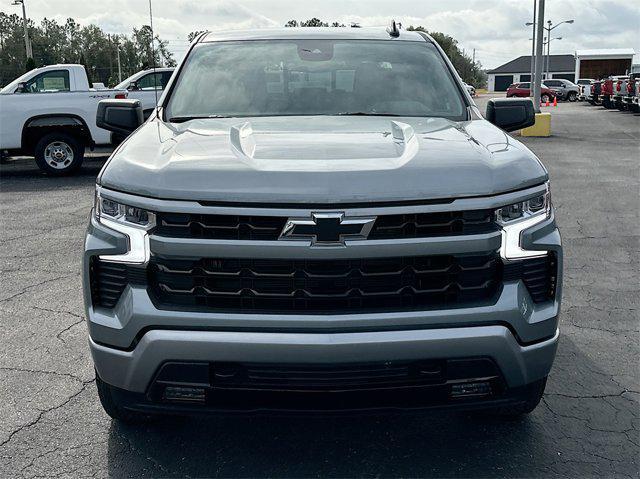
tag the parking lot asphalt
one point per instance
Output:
(588, 423)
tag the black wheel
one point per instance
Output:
(572, 96)
(544, 98)
(533, 395)
(59, 154)
(115, 410)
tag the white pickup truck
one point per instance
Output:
(146, 86)
(50, 113)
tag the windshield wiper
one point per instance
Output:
(182, 119)
(364, 113)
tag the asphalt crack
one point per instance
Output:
(31, 286)
(45, 411)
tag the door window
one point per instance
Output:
(49, 82)
(151, 81)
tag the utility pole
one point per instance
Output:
(538, 62)
(533, 42)
(119, 66)
(474, 57)
(27, 41)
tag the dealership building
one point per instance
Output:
(583, 64)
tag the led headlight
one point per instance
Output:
(516, 218)
(131, 221)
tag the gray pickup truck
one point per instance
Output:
(320, 219)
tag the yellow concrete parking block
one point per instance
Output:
(542, 127)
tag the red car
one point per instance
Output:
(524, 90)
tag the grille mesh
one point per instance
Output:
(291, 286)
(108, 281)
(538, 274)
(423, 225)
(420, 225)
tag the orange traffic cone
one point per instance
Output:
(555, 101)
(547, 102)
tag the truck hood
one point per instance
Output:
(320, 159)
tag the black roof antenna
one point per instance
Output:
(393, 30)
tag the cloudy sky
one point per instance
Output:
(495, 28)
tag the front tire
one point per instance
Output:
(544, 98)
(59, 154)
(113, 408)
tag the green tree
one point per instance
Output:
(312, 22)
(470, 72)
(192, 36)
(69, 42)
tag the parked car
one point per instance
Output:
(619, 92)
(630, 100)
(310, 228)
(50, 112)
(593, 94)
(523, 90)
(584, 84)
(471, 89)
(146, 86)
(609, 90)
(563, 89)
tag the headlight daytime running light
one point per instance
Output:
(518, 217)
(131, 221)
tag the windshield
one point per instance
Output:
(127, 81)
(315, 77)
(11, 87)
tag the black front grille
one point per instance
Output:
(331, 286)
(538, 274)
(219, 226)
(422, 225)
(418, 225)
(326, 377)
(108, 281)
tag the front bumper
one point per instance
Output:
(134, 370)
(132, 340)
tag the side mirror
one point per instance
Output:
(133, 86)
(511, 114)
(120, 116)
(22, 87)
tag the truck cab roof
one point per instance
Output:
(311, 33)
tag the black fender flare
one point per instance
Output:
(62, 121)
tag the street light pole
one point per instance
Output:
(549, 52)
(533, 42)
(548, 29)
(538, 62)
(27, 41)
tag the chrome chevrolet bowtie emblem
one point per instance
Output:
(327, 228)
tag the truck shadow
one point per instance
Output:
(417, 444)
(22, 174)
